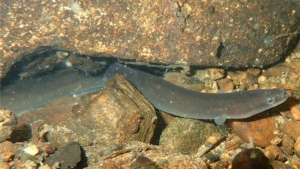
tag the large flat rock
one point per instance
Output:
(208, 33)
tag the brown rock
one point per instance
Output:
(233, 141)
(4, 165)
(227, 33)
(297, 147)
(253, 72)
(291, 128)
(214, 73)
(261, 130)
(225, 84)
(274, 153)
(242, 79)
(288, 144)
(295, 110)
(8, 122)
(292, 79)
(118, 114)
(186, 135)
(295, 162)
(8, 150)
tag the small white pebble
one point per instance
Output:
(32, 150)
(262, 80)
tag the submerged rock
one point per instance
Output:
(209, 33)
(118, 114)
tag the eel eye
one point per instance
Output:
(270, 100)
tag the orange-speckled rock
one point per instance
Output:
(209, 33)
(118, 114)
(261, 130)
(291, 128)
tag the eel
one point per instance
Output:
(163, 95)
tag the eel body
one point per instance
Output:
(170, 98)
(182, 102)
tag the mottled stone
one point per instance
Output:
(260, 129)
(118, 114)
(186, 135)
(211, 33)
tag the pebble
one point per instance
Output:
(262, 79)
(225, 85)
(260, 129)
(276, 140)
(233, 141)
(295, 110)
(31, 150)
(241, 79)
(297, 147)
(214, 73)
(288, 144)
(254, 72)
(4, 165)
(186, 135)
(8, 150)
(291, 128)
(274, 153)
(7, 124)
